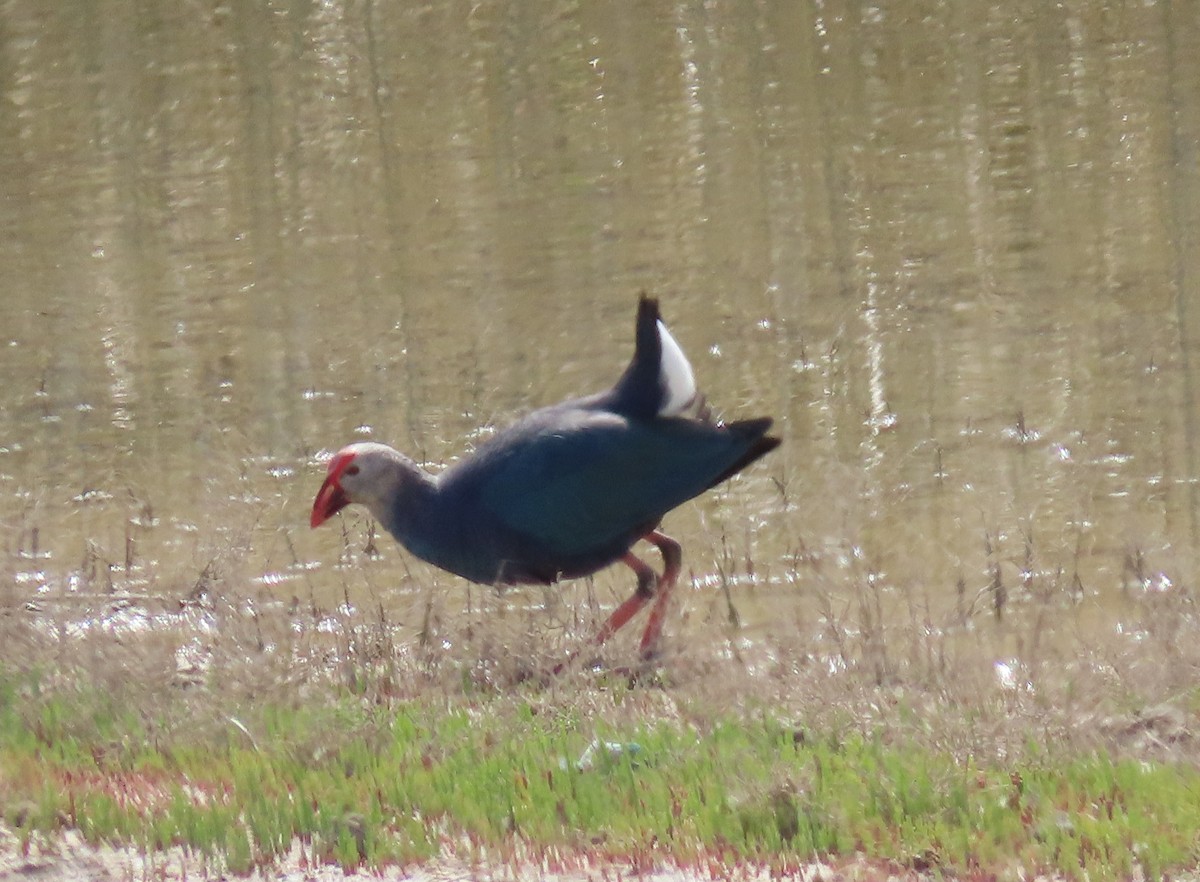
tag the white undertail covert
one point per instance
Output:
(675, 376)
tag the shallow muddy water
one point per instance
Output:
(951, 247)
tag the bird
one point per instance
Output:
(568, 489)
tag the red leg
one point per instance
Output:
(650, 586)
(673, 562)
(647, 579)
(632, 606)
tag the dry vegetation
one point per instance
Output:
(1021, 668)
(1019, 652)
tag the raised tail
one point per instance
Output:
(659, 381)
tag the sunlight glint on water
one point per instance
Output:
(948, 253)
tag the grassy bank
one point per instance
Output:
(551, 777)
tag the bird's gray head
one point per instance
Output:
(365, 472)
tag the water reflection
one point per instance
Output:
(952, 251)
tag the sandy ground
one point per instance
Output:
(70, 859)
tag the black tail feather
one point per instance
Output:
(759, 444)
(638, 393)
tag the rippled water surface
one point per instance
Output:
(951, 247)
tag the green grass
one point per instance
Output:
(371, 783)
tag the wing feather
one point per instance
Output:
(583, 487)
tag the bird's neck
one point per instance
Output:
(411, 507)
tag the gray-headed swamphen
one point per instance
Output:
(568, 489)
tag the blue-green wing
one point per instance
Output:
(581, 483)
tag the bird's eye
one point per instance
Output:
(352, 470)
